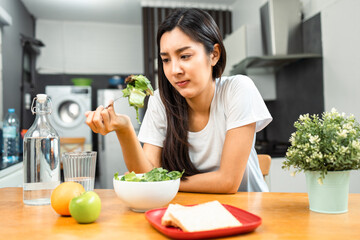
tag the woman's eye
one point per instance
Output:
(185, 56)
(165, 60)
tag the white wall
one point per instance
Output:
(341, 48)
(246, 12)
(89, 48)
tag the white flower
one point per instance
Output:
(292, 138)
(303, 117)
(343, 149)
(320, 181)
(334, 113)
(355, 144)
(343, 133)
(348, 126)
(314, 139)
(292, 174)
(332, 158)
(352, 131)
(316, 155)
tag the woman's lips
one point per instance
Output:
(182, 83)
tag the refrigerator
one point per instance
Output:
(110, 158)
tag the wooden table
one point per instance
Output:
(284, 216)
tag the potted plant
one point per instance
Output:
(326, 148)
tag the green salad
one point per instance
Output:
(137, 88)
(155, 175)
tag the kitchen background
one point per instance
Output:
(46, 43)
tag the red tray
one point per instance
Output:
(250, 223)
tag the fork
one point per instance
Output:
(113, 102)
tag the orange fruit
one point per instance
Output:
(62, 195)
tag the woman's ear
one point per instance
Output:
(215, 55)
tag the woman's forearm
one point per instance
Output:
(211, 182)
(134, 156)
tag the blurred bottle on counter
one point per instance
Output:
(41, 155)
(116, 82)
(10, 150)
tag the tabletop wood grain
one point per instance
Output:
(284, 216)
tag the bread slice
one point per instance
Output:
(203, 217)
(166, 219)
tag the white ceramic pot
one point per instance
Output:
(332, 195)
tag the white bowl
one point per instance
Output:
(142, 196)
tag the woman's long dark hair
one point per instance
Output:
(200, 27)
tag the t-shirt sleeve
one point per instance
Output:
(153, 126)
(244, 104)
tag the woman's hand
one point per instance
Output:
(105, 120)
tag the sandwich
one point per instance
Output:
(202, 217)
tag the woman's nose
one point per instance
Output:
(176, 68)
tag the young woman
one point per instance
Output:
(197, 120)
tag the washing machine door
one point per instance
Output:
(68, 112)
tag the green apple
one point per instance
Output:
(86, 207)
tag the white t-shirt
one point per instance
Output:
(236, 103)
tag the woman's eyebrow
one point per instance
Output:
(177, 51)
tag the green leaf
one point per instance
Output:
(143, 84)
(131, 177)
(136, 91)
(116, 176)
(136, 98)
(126, 92)
(155, 175)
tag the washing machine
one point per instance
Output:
(69, 104)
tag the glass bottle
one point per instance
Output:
(41, 155)
(10, 137)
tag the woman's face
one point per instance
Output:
(186, 64)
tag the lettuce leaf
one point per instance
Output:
(155, 175)
(138, 87)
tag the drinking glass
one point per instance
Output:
(80, 167)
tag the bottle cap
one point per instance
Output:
(41, 98)
(11, 110)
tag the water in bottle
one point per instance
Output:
(41, 156)
(10, 137)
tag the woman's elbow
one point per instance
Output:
(230, 187)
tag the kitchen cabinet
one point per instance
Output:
(89, 48)
(5, 18)
(274, 62)
(262, 70)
